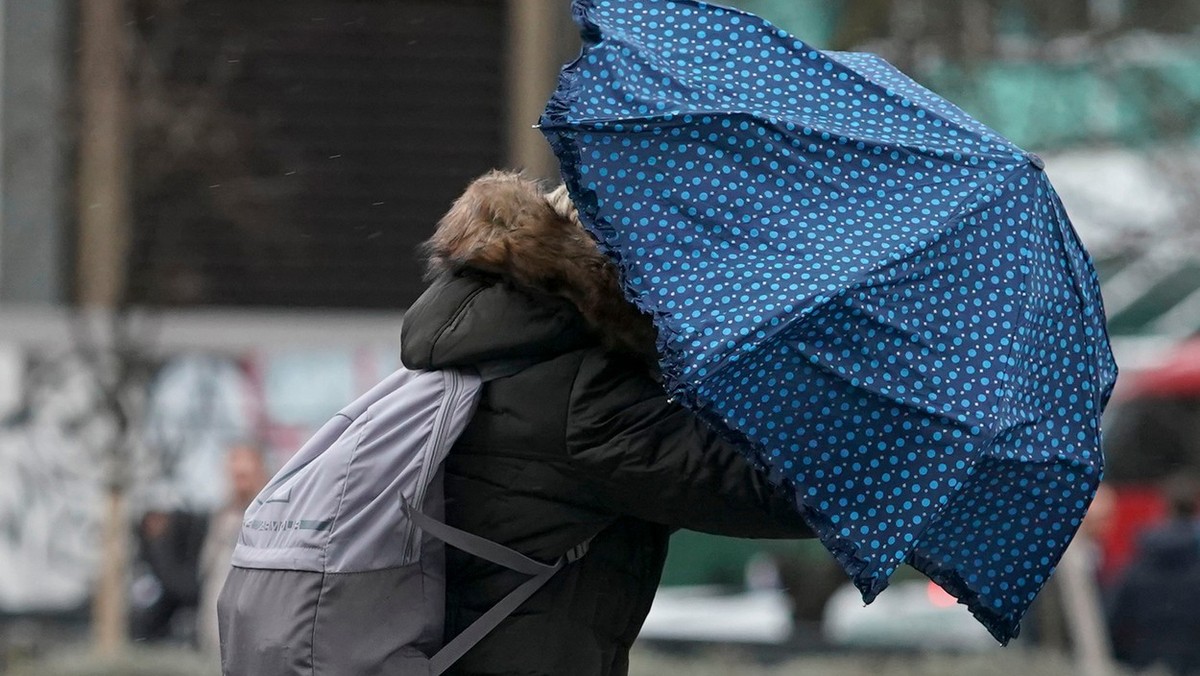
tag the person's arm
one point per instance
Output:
(649, 458)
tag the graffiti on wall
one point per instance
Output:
(54, 429)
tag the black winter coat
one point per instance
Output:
(580, 443)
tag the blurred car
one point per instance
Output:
(709, 614)
(908, 615)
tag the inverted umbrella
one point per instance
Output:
(879, 299)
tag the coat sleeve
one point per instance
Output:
(652, 459)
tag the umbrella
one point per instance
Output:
(879, 299)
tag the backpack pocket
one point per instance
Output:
(266, 620)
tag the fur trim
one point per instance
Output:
(504, 224)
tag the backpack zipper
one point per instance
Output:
(433, 460)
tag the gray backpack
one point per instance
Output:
(339, 567)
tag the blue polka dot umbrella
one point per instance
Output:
(877, 297)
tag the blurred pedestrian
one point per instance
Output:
(166, 592)
(578, 441)
(246, 474)
(1154, 615)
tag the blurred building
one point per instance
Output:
(304, 169)
(281, 154)
(293, 154)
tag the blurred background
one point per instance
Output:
(208, 215)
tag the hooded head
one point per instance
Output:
(506, 225)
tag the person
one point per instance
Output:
(578, 441)
(165, 596)
(246, 473)
(1154, 615)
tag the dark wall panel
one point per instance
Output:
(295, 153)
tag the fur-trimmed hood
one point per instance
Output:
(507, 225)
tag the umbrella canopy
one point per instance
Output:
(877, 297)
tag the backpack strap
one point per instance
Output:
(500, 555)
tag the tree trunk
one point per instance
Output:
(104, 157)
(907, 21)
(861, 21)
(103, 217)
(110, 605)
(531, 70)
(977, 26)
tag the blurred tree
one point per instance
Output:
(1053, 19)
(104, 202)
(862, 21)
(915, 33)
(138, 136)
(1175, 16)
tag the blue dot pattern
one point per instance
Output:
(880, 299)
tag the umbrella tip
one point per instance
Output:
(537, 126)
(1037, 162)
